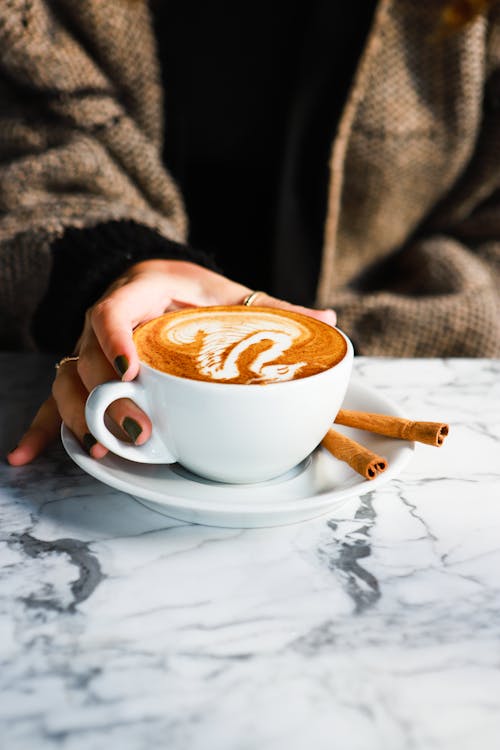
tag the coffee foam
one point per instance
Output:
(241, 345)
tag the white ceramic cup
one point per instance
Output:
(225, 432)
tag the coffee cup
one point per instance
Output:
(235, 394)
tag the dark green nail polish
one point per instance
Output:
(121, 365)
(132, 428)
(88, 441)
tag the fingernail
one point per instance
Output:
(88, 441)
(121, 364)
(132, 428)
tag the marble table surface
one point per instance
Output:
(374, 627)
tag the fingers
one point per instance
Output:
(93, 369)
(114, 333)
(70, 395)
(327, 316)
(43, 430)
(68, 404)
(113, 319)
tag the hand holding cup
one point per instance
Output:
(106, 348)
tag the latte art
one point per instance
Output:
(239, 345)
(227, 337)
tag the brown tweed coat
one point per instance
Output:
(411, 257)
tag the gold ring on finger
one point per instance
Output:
(69, 358)
(250, 298)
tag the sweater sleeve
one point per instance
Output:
(438, 297)
(80, 148)
(85, 262)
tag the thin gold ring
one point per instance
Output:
(70, 358)
(250, 298)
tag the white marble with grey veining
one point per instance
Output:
(378, 628)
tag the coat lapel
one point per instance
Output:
(407, 130)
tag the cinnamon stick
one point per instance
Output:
(359, 458)
(431, 433)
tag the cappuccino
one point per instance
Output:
(239, 345)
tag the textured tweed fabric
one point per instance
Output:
(411, 257)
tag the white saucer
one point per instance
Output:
(316, 486)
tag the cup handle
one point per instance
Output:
(152, 452)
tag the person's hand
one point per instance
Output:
(106, 348)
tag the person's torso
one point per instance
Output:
(252, 97)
